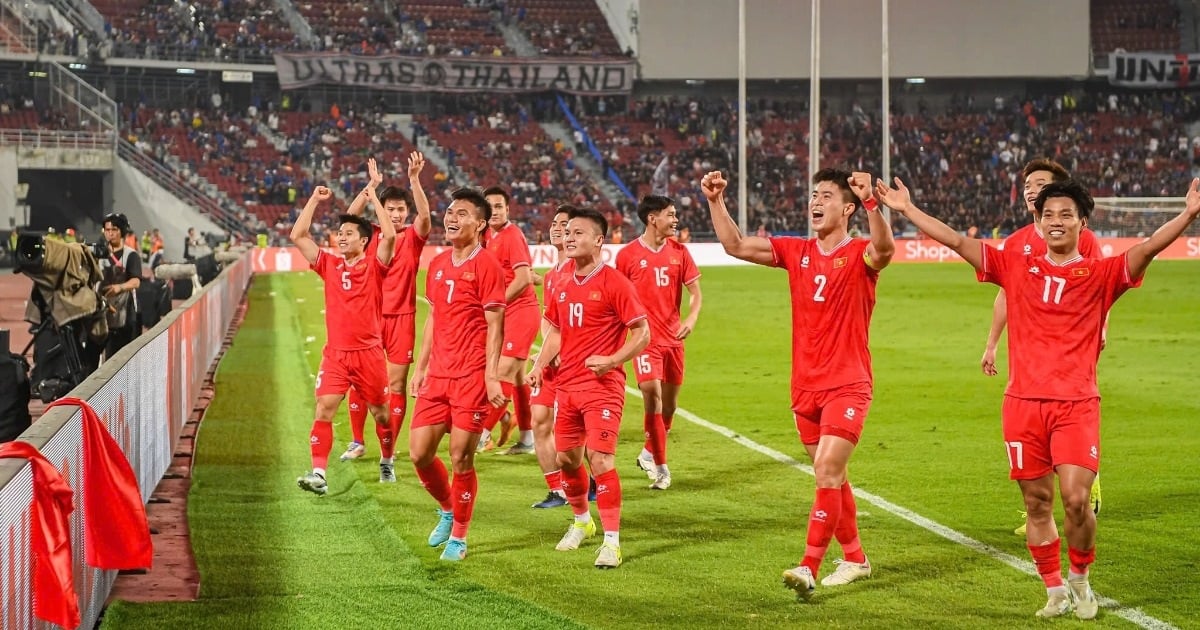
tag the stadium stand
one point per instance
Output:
(563, 27)
(1143, 25)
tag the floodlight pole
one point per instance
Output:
(887, 111)
(814, 100)
(743, 207)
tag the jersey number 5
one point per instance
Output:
(346, 280)
(820, 280)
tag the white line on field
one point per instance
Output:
(1133, 615)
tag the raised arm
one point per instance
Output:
(387, 231)
(899, 199)
(753, 249)
(301, 232)
(883, 246)
(423, 222)
(360, 202)
(1140, 255)
(694, 302)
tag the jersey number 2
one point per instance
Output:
(820, 280)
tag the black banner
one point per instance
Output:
(1153, 70)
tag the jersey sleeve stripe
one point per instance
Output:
(692, 279)
(519, 264)
(635, 320)
(494, 306)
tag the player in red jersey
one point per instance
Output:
(1056, 303)
(353, 354)
(1030, 241)
(660, 268)
(832, 279)
(521, 317)
(597, 324)
(399, 299)
(456, 377)
(541, 398)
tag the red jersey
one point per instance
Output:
(555, 276)
(512, 250)
(353, 320)
(458, 294)
(1030, 242)
(1055, 317)
(400, 284)
(833, 295)
(593, 314)
(659, 276)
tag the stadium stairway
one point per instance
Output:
(585, 162)
(516, 39)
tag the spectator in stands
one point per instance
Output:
(190, 242)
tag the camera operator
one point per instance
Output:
(122, 276)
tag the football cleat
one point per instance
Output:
(661, 482)
(608, 557)
(313, 482)
(645, 461)
(519, 449)
(800, 579)
(576, 534)
(1058, 604)
(847, 572)
(354, 450)
(552, 500)
(441, 531)
(387, 473)
(1086, 605)
(455, 550)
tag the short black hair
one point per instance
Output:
(397, 193)
(364, 226)
(651, 204)
(496, 190)
(1070, 188)
(476, 198)
(119, 221)
(1057, 171)
(564, 207)
(839, 177)
(592, 215)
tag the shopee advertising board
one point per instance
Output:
(272, 259)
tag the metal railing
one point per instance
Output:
(172, 182)
(17, 26)
(82, 104)
(82, 15)
(54, 139)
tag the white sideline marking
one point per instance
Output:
(1133, 615)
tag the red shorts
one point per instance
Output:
(590, 418)
(364, 370)
(399, 336)
(520, 327)
(1041, 435)
(660, 363)
(840, 411)
(544, 395)
(459, 402)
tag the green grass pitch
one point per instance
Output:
(708, 552)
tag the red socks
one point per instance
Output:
(397, 406)
(822, 522)
(1080, 560)
(320, 442)
(1048, 559)
(656, 436)
(521, 408)
(436, 483)
(846, 531)
(387, 442)
(608, 499)
(358, 415)
(554, 480)
(464, 488)
(498, 412)
(575, 486)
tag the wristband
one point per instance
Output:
(870, 204)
